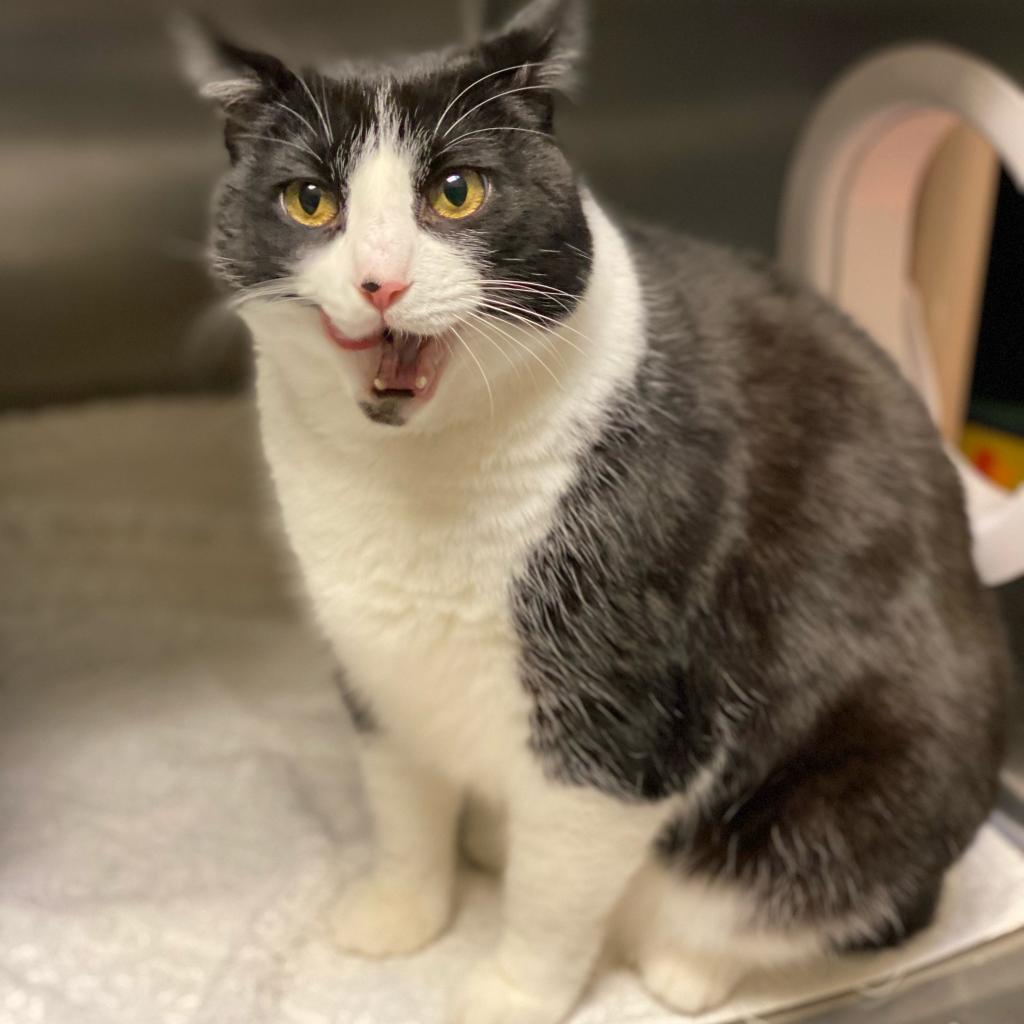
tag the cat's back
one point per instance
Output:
(814, 525)
(833, 625)
(831, 463)
(816, 421)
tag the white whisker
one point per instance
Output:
(579, 252)
(507, 310)
(526, 348)
(535, 286)
(487, 337)
(300, 146)
(295, 113)
(547, 296)
(282, 289)
(473, 85)
(547, 340)
(529, 288)
(328, 134)
(323, 96)
(479, 366)
(495, 303)
(491, 99)
(489, 322)
(538, 331)
(478, 131)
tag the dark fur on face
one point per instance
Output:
(488, 107)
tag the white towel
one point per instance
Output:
(178, 799)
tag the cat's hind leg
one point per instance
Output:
(693, 941)
(572, 852)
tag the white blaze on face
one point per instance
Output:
(384, 242)
(378, 242)
(381, 218)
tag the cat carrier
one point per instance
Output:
(889, 211)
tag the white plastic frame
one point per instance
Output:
(905, 100)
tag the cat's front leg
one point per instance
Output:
(406, 899)
(572, 852)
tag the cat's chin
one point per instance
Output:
(408, 368)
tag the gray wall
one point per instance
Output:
(689, 114)
(106, 167)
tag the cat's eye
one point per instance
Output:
(309, 204)
(457, 194)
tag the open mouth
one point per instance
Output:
(409, 365)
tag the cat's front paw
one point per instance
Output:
(380, 917)
(491, 997)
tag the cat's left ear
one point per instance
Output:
(546, 39)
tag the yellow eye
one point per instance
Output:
(309, 204)
(457, 194)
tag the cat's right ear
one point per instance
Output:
(227, 75)
(549, 37)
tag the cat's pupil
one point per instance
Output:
(456, 189)
(309, 197)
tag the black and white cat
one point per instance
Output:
(645, 550)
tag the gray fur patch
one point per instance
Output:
(765, 556)
(386, 411)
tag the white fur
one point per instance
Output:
(693, 940)
(408, 539)
(406, 899)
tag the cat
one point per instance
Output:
(634, 547)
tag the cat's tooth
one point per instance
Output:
(379, 384)
(421, 383)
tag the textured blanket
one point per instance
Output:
(178, 799)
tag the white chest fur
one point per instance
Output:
(409, 550)
(410, 541)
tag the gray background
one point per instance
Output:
(689, 114)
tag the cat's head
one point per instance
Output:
(409, 233)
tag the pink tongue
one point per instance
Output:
(400, 364)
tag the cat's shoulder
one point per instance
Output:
(745, 306)
(664, 252)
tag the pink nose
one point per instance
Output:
(382, 294)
